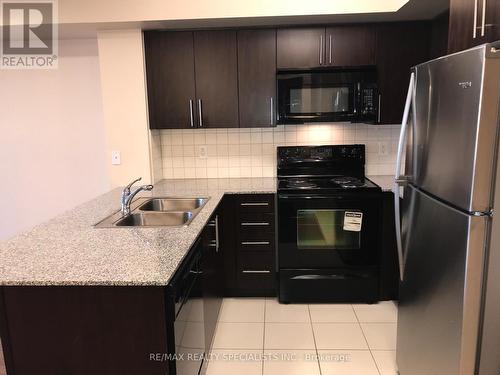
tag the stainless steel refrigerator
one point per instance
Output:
(448, 231)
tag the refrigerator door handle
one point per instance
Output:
(401, 180)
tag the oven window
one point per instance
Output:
(324, 229)
(319, 100)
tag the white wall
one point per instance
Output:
(121, 57)
(52, 138)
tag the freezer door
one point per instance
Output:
(440, 295)
(454, 135)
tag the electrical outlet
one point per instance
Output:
(116, 158)
(383, 148)
(202, 152)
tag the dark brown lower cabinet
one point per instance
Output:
(81, 330)
(389, 268)
(212, 274)
(251, 256)
(108, 330)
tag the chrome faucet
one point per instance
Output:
(128, 196)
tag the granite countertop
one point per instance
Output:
(68, 250)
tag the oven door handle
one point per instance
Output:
(284, 196)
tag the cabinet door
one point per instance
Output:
(212, 277)
(216, 78)
(257, 77)
(170, 79)
(491, 21)
(400, 46)
(461, 25)
(300, 48)
(350, 45)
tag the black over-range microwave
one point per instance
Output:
(343, 94)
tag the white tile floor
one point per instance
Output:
(258, 336)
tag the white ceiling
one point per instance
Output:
(412, 10)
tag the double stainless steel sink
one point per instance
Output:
(156, 212)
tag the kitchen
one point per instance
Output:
(264, 236)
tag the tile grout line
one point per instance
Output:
(363, 332)
(314, 339)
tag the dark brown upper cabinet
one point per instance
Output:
(473, 22)
(170, 79)
(305, 48)
(350, 45)
(215, 56)
(300, 48)
(400, 46)
(257, 77)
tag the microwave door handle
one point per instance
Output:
(400, 180)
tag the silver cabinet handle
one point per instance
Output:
(200, 113)
(399, 178)
(191, 117)
(256, 271)
(330, 52)
(483, 18)
(256, 243)
(217, 233)
(321, 50)
(272, 110)
(379, 105)
(474, 33)
(254, 224)
(255, 204)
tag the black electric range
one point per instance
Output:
(329, 218)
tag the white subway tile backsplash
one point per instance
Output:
(245, 150)
(245, 137)
(188, 149)
(256, 137)
(177, 151)
(252, 152)
(200, 138)
(211, 138)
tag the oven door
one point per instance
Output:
(326, 232)
(317, 96)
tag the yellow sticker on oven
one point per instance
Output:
(353, 221)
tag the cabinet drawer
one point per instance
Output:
(256, 227)
(256, 219)
(259, 244)
(256, 263)
(256, 272)
(250, 203)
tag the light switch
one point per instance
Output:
(116, 158)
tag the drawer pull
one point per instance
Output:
(255, 224)
(255, 204)
(256, 243)
(256, 271)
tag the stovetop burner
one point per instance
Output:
(348, 182)
(324, 183)
(300, 183)
(322, 169)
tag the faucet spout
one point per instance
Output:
(127, 196)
